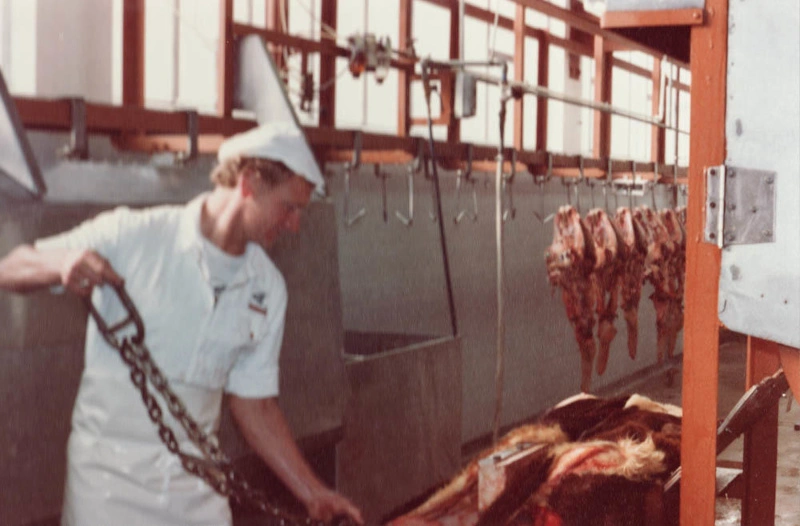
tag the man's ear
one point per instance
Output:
(247, 182)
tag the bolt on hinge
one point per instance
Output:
(740, 206)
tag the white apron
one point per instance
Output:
(129, 477)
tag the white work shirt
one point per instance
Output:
(118, 470)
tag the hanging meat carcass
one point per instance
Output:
(675, 270)
(634, 249)
(570, 263)
(660, 248)
(607, 271)
(586, 462)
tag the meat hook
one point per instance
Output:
(511, 211)
(349, 168)
(608, 181)
(589, 181)
(462, 178)
(409, 219)
(382, 176)
(630, 187)
(656, 177)
(676, 189)
(540, 181)
(568, 185)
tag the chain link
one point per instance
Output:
(214, 467)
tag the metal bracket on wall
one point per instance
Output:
(78, 147)
(740, 206)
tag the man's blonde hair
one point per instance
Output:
(228, 171)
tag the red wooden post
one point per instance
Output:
(602, 93)
(760, 458)
(225, 58)
(133, 52)
(403, 76)
(541, 102)
(454, 125)
(519, 75)
(709, 56)
(657, 136)
(327, 69)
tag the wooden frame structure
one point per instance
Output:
(134, 127)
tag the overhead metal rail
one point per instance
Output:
(539, 91)
(168, 131)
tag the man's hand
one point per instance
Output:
(83, 269)
(264, 427)
(325, 505)
(26, 269)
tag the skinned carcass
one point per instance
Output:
(660, 248)
(586, 462)
(607, 271)
(675, 270)
(634, 249)
(570, 263)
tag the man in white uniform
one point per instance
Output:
(213, 306)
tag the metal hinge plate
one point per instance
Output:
(740, 206)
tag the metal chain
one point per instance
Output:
(215, 469)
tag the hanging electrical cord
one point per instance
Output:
(426, 84)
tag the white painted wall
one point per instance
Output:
(73, 49)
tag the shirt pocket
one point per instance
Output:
(226, 337)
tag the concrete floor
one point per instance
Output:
(731, 388)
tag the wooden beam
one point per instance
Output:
(655, 18)
(133, 67)
(225, 59)
(602, 93)
(709, 57)
(588, 23)
(405, 38)
(760, 456)
(327, 69)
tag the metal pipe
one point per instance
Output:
(498, 223)
(539, 91)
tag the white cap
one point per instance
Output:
(277, 141)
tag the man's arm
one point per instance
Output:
(264, 426)
(26, 269)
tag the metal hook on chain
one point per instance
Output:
(382, 177)
(409, 219)
(630, 186)
(461, 179)
(508, 180)
(350, 168)
(540, 181)
(568, 185)
(656, 178)
(588, 180)
(675, 187)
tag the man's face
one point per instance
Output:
(269, 211)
